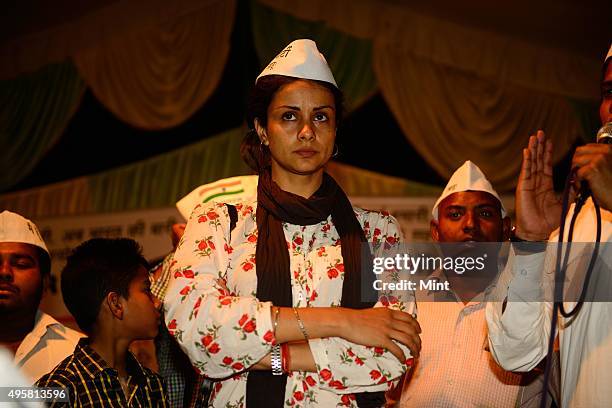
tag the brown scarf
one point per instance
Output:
(275, 206)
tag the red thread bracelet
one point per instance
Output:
(285, 357)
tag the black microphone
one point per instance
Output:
(604, 136)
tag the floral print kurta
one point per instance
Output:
(224, 333)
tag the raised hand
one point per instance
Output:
(538, 208)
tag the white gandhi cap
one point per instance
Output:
(15, 228)
(468, 177)
(229, 190)
(300, 59)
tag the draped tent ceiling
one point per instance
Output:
(463, 82)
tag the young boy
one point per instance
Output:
(106, 287)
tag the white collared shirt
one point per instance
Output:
(45, 346)
(519, 335)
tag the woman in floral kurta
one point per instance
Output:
(215, 313)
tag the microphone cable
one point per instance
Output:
(561, 269)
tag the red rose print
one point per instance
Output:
(185, 290)
(249, 326)
(375, 374)
(337, 385)
(238, 366)
(358, 361)
(212, 215)
(384, 300)
(346, 401)
(298, 395)
(340, 267)
(225, 300)
(252, 238)
(247, 266)
(177, 274)
(325, 374)
(376, 232)
(350, 352)
(206, 340)
(332, 273)
(214, 348)
(227, 360)
(379, 350)
(228, 248)
(202, 218)
(218, 386)
(211, 245)
(243, 319)
(202, 245)
(172, 324)
(188, 274)
(310, 381)
(197, 303)
(269, 336)
(298, 240)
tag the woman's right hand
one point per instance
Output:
(379, 326)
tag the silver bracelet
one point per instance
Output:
(276, 361)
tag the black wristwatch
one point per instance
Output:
(526, 246)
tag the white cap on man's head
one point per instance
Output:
(300, 59)
(468, 177)
(229, 190)
(15, 228)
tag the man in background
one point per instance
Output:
(520, 332)
(37, 341)
(455, 368)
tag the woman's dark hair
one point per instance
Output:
(255, 155)
(94, 269)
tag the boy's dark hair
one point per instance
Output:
(44, 262)
(94, 269)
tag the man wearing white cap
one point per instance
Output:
(38, 341)
(455, 368)
(520, 333)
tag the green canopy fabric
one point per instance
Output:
(34, 110)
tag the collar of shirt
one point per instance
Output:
(42, 324)
(95, 365)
